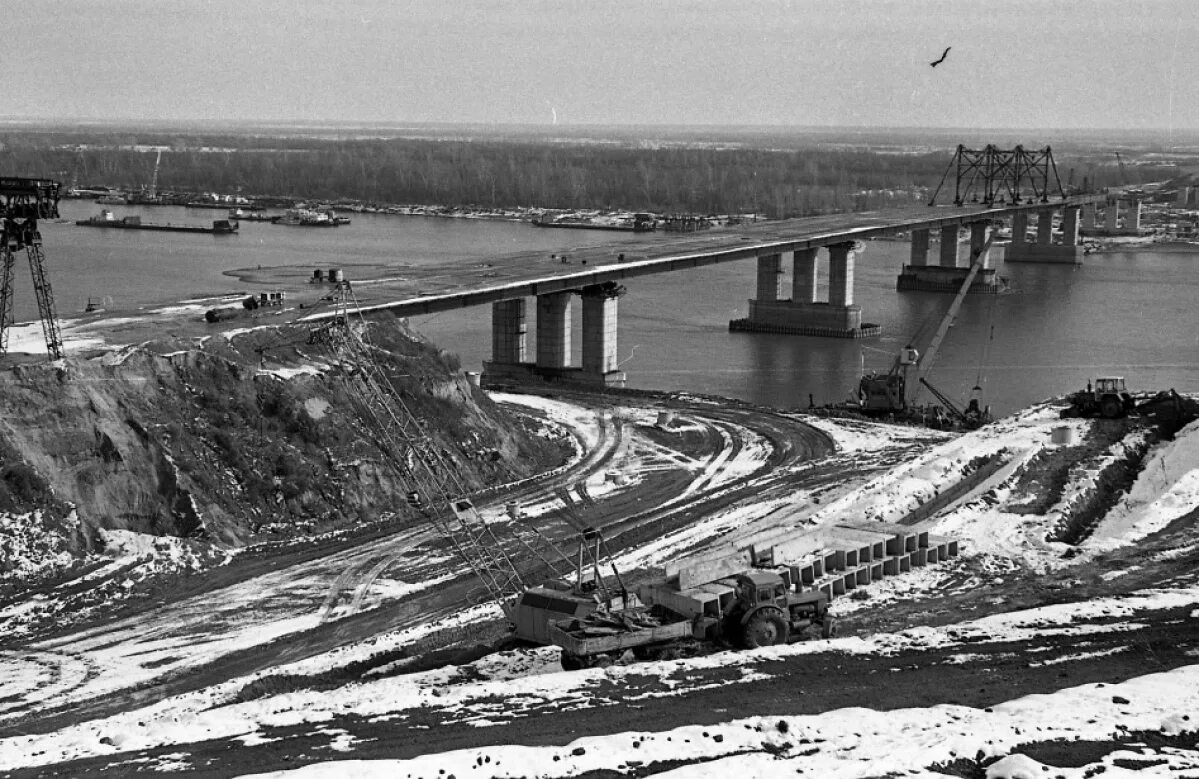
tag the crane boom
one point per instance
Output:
(926, 361)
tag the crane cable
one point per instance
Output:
(985, 349)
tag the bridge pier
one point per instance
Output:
(1068, 252)
(1113, 209)
(1111, 217)
(803, 314)
(509, 328)
(553, 333)
(599, 335)
(1132, 220)
(950, 273)
(804, 276)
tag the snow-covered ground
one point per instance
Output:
(848, 742)
(852, 742)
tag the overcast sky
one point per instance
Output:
(1014, 63)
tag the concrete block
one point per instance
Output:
(920, 557)
(761, 557)
(871, 543)
(839, 586)
(946, 547)
(876, 570)
(863, 574)
(932, 554)
(694, 572)
(900, 539)
(827, 589)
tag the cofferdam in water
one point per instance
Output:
(1123, 313)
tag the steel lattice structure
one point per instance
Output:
(24, 201)
(430, 473)
(992, 175)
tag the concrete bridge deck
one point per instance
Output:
(523, 274)
(594, 273)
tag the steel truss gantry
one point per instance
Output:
(993, 176)
(22, 202)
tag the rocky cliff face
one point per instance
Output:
(241, 437)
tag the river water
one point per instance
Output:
(1122, 313)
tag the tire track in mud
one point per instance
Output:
(60, 674)
(610, 435)
(641, 514)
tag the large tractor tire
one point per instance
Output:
(765, 627)
(573, 662)
(1111, 407)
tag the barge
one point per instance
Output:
(107, 219)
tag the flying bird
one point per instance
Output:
(943, 55)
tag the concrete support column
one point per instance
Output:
(599, 332)
(949, 246)
(804, 276)
(770, 271)
(1070, 226)
(978, 239)
(1045, 227)
(919, 254)
(840, 274)
(508, 329)
(553, 330)
(1111, 217)
(1132, 219)
(1020, 228)
(1090, 216)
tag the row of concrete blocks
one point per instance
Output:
(856, 554)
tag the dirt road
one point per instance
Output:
(245, 618)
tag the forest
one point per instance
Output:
(760, 176)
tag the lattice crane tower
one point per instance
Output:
(23, 202)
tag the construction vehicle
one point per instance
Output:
(1169, 411)
(749, 610)
(747, 596)
(771, 590)
(1107, 397)
(892, 394)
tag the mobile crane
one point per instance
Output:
(891, 393)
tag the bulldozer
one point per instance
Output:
(1107, 397)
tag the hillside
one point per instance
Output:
(1060, 643)
(217, 443)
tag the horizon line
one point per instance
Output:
(560, 127)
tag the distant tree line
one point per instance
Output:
(777, 182)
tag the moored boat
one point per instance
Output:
(306, 217)
(107, 219)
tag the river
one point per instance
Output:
(1122, 313)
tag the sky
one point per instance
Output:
(1015, 63)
